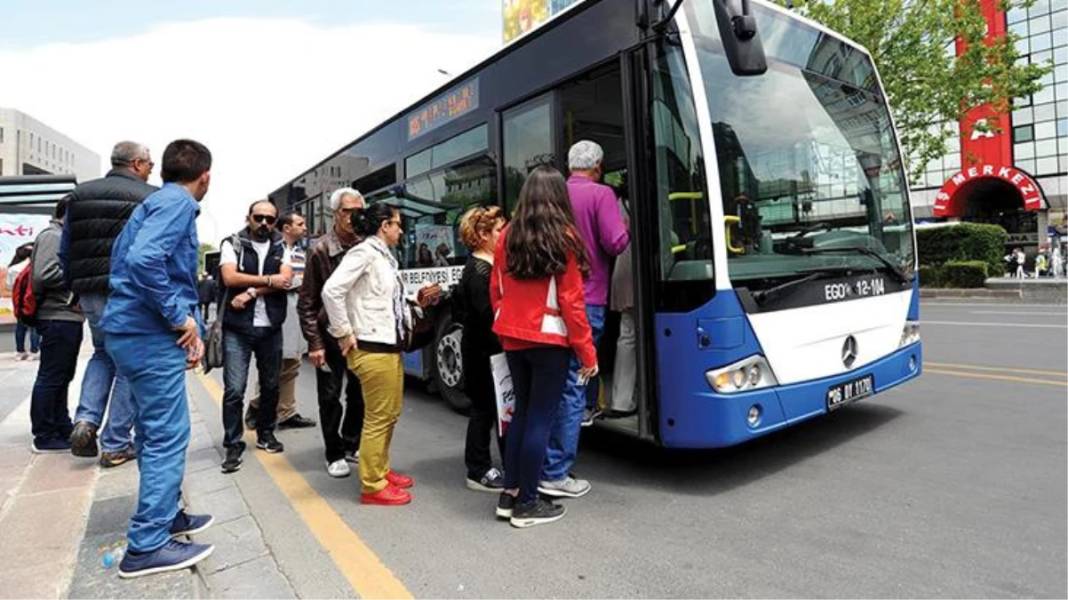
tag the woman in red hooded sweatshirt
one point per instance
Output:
(536, 289)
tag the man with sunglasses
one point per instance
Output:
(256, 274)
(97, 212)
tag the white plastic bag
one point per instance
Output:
(502, 387)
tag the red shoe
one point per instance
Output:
(387, 496)
(398, 480)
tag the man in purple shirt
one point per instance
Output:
(601, 226)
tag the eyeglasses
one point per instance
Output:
(268, 219)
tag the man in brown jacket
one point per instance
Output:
(341, 424)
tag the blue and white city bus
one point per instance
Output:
(774, 255)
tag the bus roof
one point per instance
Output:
(516, 44)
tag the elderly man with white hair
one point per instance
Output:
(341, 425)
(600, 224)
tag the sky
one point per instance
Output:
(271, 87)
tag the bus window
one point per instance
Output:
(684, 232)
(528, 143)
(431, 206)
(592, 109)
(473, 141)
(381, 178)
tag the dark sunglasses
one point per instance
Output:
(268, 219)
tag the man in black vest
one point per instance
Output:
(255, 273)
(97, 212)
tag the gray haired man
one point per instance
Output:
(97, 212)
(341, 424)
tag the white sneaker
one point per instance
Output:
(338, 469)
(22, 356)
(352, 457)
(568, 487)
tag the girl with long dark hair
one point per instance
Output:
(369, 316)
(536, 289)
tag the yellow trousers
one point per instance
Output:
(382, 381)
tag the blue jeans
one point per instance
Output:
(238, 348)
(563, 443)
(100, 374)
(154, 365)
(49, 418)
(538, 375)
(20, 338)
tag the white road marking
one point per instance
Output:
(992, 303)
(1022, 314)
(977, 324)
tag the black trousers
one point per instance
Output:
(265, 343)
(60, 342)
(341, 424)
(482, 424)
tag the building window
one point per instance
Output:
(1046, 166)
(1, 135)
(1045, 130)
(1023, 134)
(1046, 148)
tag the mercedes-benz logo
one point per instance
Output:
(849, 351)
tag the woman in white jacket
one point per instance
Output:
(369, 316)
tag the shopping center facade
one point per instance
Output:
(1014, 171)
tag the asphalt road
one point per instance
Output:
(950, 486)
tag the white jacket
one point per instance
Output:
(358, 296)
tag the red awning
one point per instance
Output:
(950, 202)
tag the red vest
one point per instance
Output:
(549, 311)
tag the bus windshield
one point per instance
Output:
(809, 169)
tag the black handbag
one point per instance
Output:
(423, 329)
(213, 344)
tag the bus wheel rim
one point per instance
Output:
(450, 362)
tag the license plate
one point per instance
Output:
(847, 392)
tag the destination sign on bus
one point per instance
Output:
(447, 107)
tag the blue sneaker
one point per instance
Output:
(173, 556)
(187, 524)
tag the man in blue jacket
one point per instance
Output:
(153, 326)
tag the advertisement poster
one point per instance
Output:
(434, 245)
(15, 230)
(521, 16)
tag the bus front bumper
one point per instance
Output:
(711, 420)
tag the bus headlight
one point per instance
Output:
(748, 374)
(911, 334)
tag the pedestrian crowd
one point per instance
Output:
(1047, 262)
(123, 255)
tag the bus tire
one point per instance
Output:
(447, 367)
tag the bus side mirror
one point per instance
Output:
(741, 40)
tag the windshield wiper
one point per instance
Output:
(896, 270)
(764, 295)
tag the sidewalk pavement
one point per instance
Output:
(60, 515)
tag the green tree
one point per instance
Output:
(928, 86)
